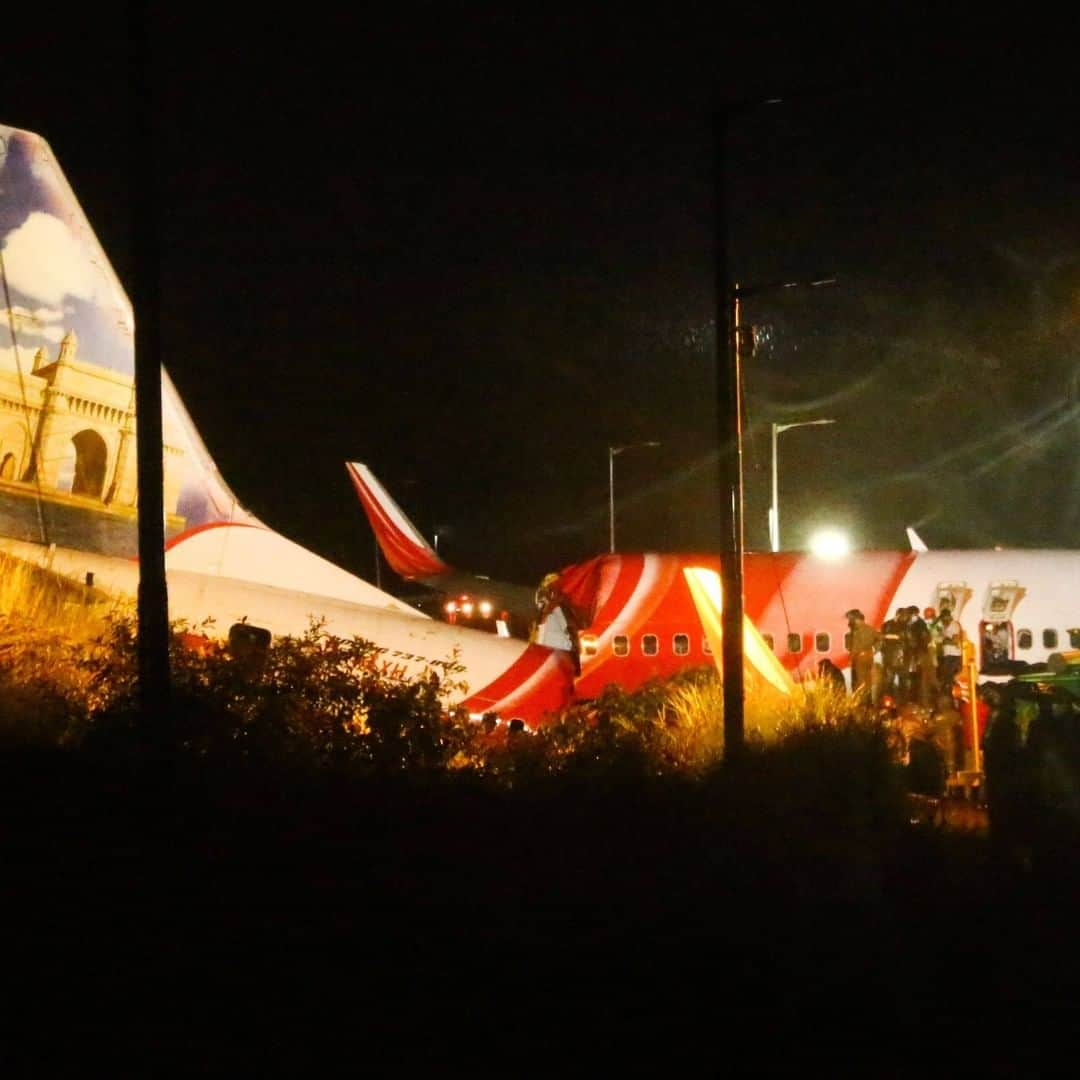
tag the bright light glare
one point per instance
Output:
(830, 544)
(485, 608)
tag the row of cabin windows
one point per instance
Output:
(650, 645)
(680, 643)
(822, 642)
(1025, 639)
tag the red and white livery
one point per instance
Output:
(637, 619)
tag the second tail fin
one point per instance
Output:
(401, 543)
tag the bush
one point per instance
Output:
(319, 702)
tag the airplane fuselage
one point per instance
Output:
(640, 621)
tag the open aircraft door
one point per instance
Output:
(952, 595)
(1001, 600)
(997, 638)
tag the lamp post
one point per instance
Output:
(774, 508)
(732, 340)
(735, 341)
(612, 452)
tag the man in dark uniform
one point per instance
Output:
(892, 656)
(921, 659)
(863, 642)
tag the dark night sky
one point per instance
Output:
(476, 254)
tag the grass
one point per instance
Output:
(52, 637)
(606, 879)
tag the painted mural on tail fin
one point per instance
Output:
(68, 428)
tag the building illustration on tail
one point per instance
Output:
(67, 441)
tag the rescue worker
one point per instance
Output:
(952, 637)
(948, 724)
(892, 655)
(923, 658)
(828, 673)
(863, 641)
(997, 643)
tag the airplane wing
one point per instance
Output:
(414, 559)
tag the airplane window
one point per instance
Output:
(650, 644)
(706, 648)
(822, 642)
(768, 639)
(620, 645)
(794, 643)
(682, 644)
(847, 642)
(1050, 639)
(1074, 637)
(1023, 639)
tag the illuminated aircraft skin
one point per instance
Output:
(68, 491)
(638, 619)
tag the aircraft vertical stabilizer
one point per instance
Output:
(407, 552)
(68, 428)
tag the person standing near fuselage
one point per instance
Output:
(863, 641)
(951, 649)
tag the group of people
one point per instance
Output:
(913, 656)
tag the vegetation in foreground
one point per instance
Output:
(304, 823)
(315, 710)
(68, 671)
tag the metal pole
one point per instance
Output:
(153, 602)
(973, 706)
(729, 417)
(611, 498)
(774, 518)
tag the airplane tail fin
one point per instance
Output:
(915, 540)
(404, 548)
(68, 472)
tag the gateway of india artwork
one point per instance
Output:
(67, 438)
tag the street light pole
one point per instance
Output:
(774, 508)
(153, 596)
(612, 452)
(731, 343)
